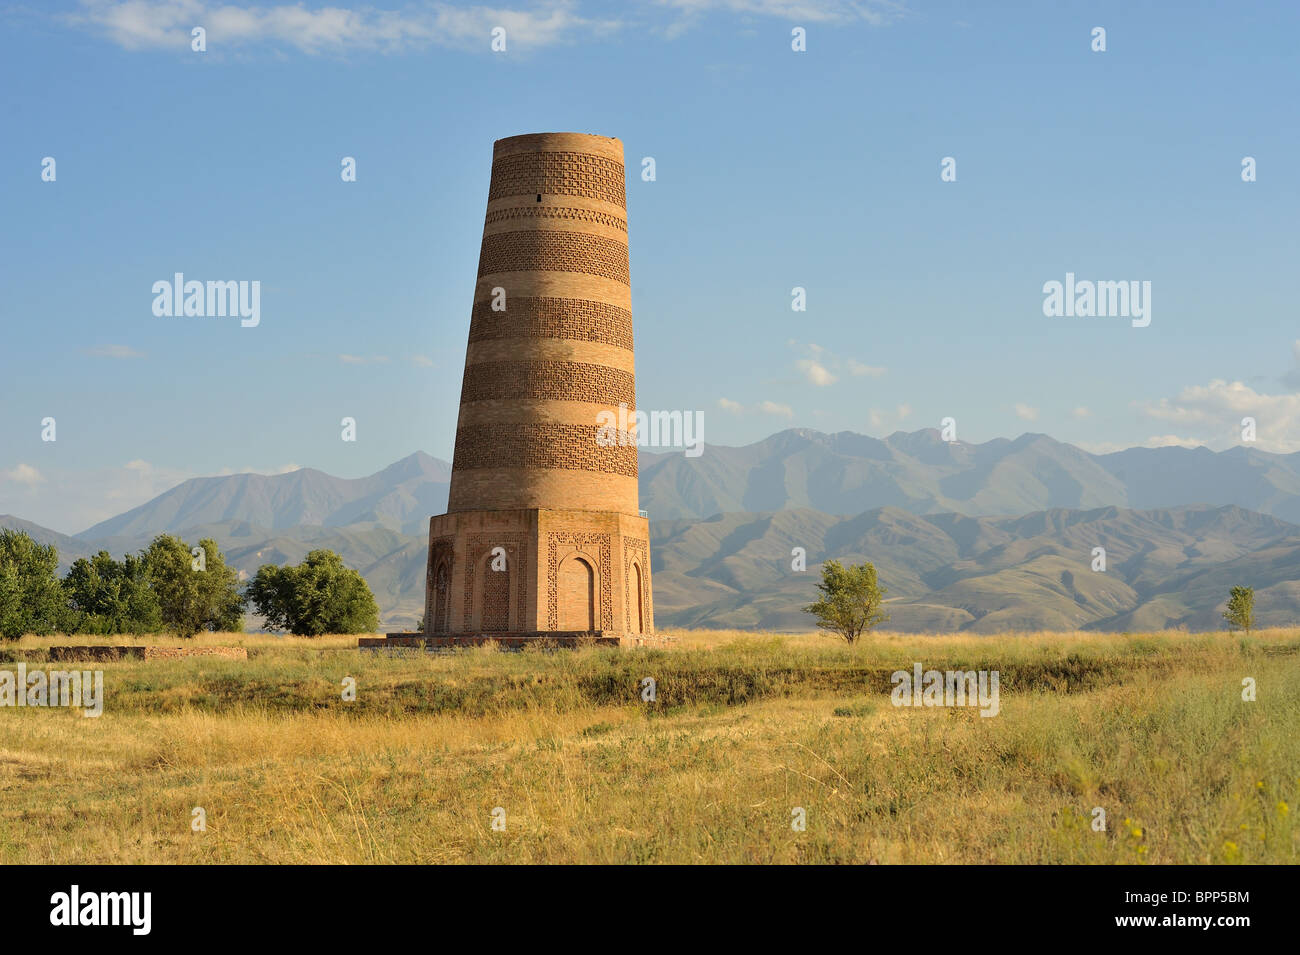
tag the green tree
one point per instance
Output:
(851, 599)
(1241, 609)
(107, 596)
(195, 590)
(320, 595)
(31, 597)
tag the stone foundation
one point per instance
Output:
(567, 639)
(538, 571)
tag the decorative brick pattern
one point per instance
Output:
(566, 213)
(496, 599)
(553, 542)
(559, 174)
(572, 319)
(534, 251)
(560, 380)
(541, 445)
(638, 551)
(498, 610)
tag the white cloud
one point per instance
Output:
(821, 366)
(70, 501)
(815, 372)
(423, 361)
(882, 419)
(1025, 412)
(114, 351)
(1292, 378)
(129, 486)
(871, 371)
(763, 407)
(23, 474)
(872, 12)
(1171, 441)
(359, 360)
(1155, 441)
(1212, 414)
(1081, 412)
(1099, 447)
(324, 28)
(154, 24)
(282, 469)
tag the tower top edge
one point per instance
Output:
(606, 146)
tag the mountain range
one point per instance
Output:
(987, 537)
(848, 473)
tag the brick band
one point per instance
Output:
(558, 173)
(568, 446)
(565, 213)
(573, 319)
(554, 252)
(559, 380)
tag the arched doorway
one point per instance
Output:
(639, 620)
(577, 595)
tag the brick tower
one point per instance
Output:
(543, 533)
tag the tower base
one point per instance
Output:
(524, 574)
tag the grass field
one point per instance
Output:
(745, 729)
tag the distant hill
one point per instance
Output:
(1165, 568)
(849, 473)
(401, 496)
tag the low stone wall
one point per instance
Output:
(96, 654)
(567, 639)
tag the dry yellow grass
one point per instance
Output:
(746, 729)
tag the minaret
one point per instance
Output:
(543, 533)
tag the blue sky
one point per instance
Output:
(775, 169)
